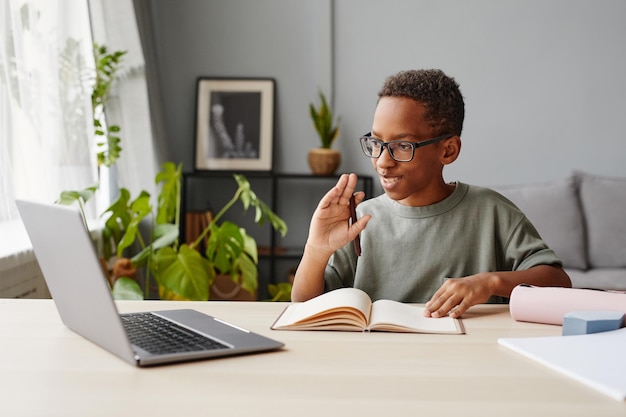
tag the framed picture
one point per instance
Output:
(234, 124)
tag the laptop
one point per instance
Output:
(72, 270)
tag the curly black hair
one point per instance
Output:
(440, 94)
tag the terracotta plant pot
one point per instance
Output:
(223, 288)
(324, 161)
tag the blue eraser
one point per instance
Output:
(586, 322)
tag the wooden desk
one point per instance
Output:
(47, 370)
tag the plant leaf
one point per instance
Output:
(185, 274)
(164, 235)
(119, 208)
(249, 246)
(248, 272)
(226, 244)
(69, 197)
(322, 118)
(127, 289)
(118, 220)
(139, 209)
(169, 177)
(262, 211)
(280, 291)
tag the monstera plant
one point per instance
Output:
(180, 271)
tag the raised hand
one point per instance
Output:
(330, 228)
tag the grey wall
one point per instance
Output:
(543, 79)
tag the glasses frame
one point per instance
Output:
(414, 145)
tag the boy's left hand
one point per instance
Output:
(456, 295)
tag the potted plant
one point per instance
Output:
(180, 271)
(324, 160)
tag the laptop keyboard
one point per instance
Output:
(160, 336)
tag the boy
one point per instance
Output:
(449, 245)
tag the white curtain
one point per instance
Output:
(46, 133)
(46, 79)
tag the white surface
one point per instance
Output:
(597, 359)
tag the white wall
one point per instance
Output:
(543, 79)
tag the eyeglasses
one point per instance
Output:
(399, 150)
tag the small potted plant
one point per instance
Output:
(324, 160)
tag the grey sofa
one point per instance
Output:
(583, 219)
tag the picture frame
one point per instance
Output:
(234, 124)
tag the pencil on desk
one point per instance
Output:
(353, 219)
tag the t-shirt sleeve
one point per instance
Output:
(525, 248)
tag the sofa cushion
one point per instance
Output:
(599, 278)
(604, 205)
(554, 209)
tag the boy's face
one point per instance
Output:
(418, 182)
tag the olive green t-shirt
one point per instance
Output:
(408, 252)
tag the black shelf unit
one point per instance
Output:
(293, 197)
